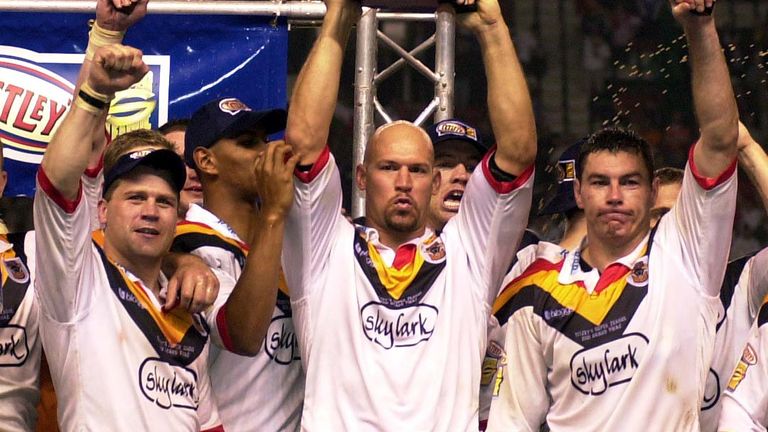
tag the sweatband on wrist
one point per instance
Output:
(99, 37)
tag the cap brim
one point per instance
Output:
(163, 159)
(449, 138)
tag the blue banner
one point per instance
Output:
(192, 60)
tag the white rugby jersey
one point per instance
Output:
(745, 400)
(19, 343)
(744, 287)
(493, 361)
(261, 393)
(118, 363)
(629, 349)
(395, 340)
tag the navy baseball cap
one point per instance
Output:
(564, 200)
(161, 159)
(227, 118)
(452, 129)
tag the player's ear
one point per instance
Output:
(437, 177)
(577, 193)
(205, 159)
(102, 212)
(360, 172)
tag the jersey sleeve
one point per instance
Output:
(63, 243)
(490, 223)
(216, 315)
(92, 181)
(702, 223)
(520, 401)
(207, 411)
(311, 224)
(745, 401)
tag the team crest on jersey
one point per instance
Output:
(232, 106)
(748, 358)
(281, 344)
(391, 327)
(595, 370)
(639, 273)
(16, 269)
(433, 250)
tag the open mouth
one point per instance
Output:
(452, 200)
(403, 203)
(148, 231)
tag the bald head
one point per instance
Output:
(397, 132)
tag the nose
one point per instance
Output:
(614, 194)
(459, 174)
(403, 181)
(149, 211)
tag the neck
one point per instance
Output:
(599, 254)
(236, 212)
(393, 240)
(146, 269)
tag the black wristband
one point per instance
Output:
(92, 101)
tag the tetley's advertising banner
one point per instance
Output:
(192, 60)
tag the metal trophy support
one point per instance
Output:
(367, 79)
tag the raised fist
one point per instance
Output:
(119, 15)
(116, 68)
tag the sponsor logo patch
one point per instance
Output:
(281, 344)
(398, 327)
(455, 128)
(168, 386)
(232, 106)
(748, 358)
(594, 370)
(566, 171)
(14, 347)
(711, 390)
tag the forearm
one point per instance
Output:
(69, 152)
(249, 307)
(509, 102)
(713, 98)
(314, 97)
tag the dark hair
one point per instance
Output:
(174, 125)
(615, 140)
(669, 175)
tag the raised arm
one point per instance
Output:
(509, 103)
(314, 96)
(249, 308)
(113, 19)
(713, 97)
(107, 68)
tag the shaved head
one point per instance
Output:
(397, 131)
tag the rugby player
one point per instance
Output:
(630, 315)
(101, 300)
(223, 142)
(377, 307)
